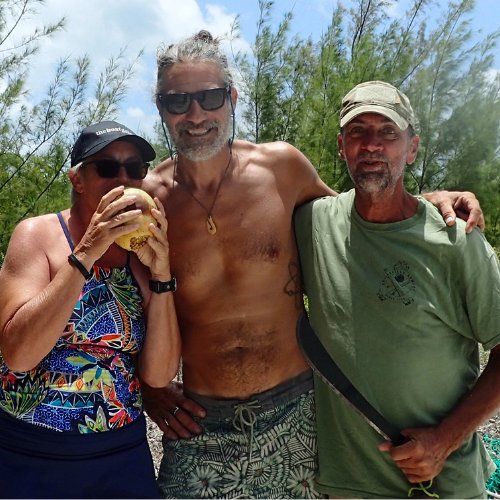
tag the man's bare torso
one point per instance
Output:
(239, 292)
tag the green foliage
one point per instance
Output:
(272, 80)
(36, 140)
(292, 90)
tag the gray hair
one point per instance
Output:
(199, 47)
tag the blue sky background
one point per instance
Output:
(101, 28)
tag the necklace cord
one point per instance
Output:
(211, 227)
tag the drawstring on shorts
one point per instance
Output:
(244, 421)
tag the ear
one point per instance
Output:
(74, 177)
(341, 146)
(234, 96)
(413, 150)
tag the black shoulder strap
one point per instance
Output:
(325, 367)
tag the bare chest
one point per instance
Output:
(252, 245)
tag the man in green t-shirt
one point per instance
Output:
(401, 302)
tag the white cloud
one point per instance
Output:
(493, 75)
(101, 29)
(394, 9)
(136, 113)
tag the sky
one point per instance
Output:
(101, 28)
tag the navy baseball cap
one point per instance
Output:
(99, 135)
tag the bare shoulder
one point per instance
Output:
(273, 154)
(35, 229)
(33, 238)
(291, 168)
(27, 261)
(159, 180)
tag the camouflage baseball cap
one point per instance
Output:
(378, 97)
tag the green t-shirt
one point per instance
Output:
(401, 307)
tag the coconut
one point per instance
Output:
(138, 238)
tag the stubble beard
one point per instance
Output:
(200, 149)
(372, 182)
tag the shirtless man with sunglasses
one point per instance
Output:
(245, 413)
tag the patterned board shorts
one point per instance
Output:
(264, 447)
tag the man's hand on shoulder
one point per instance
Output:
(463, 204)
(171, 411)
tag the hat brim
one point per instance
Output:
(400, 122)
(147, 152)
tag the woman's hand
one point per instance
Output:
(155, 254)
(110, 220)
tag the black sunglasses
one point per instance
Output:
(108, 168)
(209, 100)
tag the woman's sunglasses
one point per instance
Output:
(209, 100)
(108, 168)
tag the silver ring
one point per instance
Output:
(175, 410)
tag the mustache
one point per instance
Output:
(183, 127)
(372, 157)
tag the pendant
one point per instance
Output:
(211, 227)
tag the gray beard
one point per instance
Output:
(372, 183)
(202, 151)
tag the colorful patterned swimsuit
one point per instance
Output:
(88, 382)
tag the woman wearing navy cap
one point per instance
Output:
(81, 322)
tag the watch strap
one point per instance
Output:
(163, 286)
(73, 260)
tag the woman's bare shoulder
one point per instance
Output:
(34, 227)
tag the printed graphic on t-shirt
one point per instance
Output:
(398, 284)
